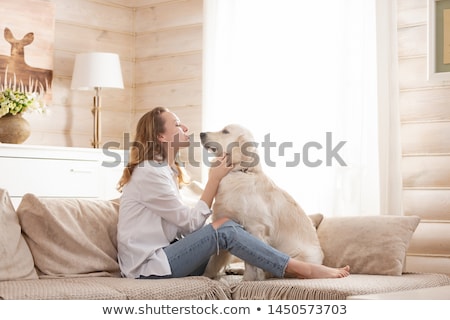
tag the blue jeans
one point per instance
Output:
(190, 255)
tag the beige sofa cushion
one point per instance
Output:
(16, 261)
(70, 237)
(369, 244)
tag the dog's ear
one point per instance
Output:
(248, 153)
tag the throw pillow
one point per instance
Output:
(16, 261)
(69, 237)
(368, 244)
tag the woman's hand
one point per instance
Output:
(220, 169)
(216, 173)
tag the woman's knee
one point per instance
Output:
(224, 224)
(219, 222)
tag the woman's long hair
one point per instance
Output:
(146, 145)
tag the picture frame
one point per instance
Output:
(27, 44)
(438, 39)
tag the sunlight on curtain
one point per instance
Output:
(301, 74)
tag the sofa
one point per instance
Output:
(66, 248)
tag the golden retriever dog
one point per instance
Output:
(248, 196)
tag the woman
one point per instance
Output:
(159, 236)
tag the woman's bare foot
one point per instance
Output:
(305, 270)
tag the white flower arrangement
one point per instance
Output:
(15, 99)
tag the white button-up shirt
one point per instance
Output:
(152, 215)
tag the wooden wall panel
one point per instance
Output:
(176, 68)
(413, 73)
(431, 238)
(89, 39)
(425, 135)
(78, 120)
(136, 3)
(427, 264)
(115, 123)
(144, 3)
(169, 41)
(44, 138)
(428, 204)
(103, 16)
(412, 41)
(425, 138)
(174, 94)
(169, 15)
(425, 105)
(426, 172)
(411, 12)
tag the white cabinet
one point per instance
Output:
(55, 172)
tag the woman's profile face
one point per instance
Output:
(174, 131)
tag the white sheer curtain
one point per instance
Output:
(302, 73)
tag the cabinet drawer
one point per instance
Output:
(50, 177)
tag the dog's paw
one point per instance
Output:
(234, 271)
(253, 274)
(236, 268)
(212, 275)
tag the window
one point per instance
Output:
(304, 76)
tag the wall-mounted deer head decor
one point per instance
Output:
(15, 69)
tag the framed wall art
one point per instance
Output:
(26, 43)
(439, 39)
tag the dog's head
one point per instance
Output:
(236, 142)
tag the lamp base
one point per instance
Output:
(97, 123)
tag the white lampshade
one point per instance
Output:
(96, 70)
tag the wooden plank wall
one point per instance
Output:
(83, 26)
(160, 46)
(169, 40)
(425, 129)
